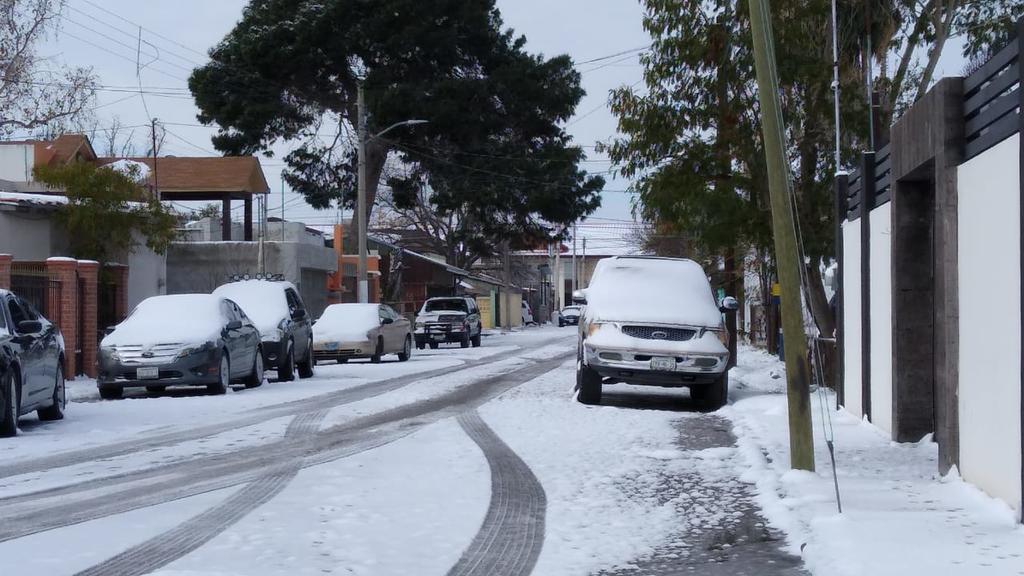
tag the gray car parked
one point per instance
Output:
(181, 340)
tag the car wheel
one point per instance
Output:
(286, 369)
(561, 324)
(306, 366)
(588, 384)
(224, 379)
(433, 345)
(9, 404)
(60, 399)
(712, 396)
(156, 389)
(255, 379)
(406, 352)
(475, 340)
(379, 352)
(420, 345)
(464, 343)
(111, 393)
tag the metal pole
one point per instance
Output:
(156, 181)
(835, 77)
(282, 208)
(362, 286)
(583, 263)
(801, 441)
(507, 303)
(574, 287)
(558, 282)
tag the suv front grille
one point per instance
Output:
(450, 318)
(157, 354)
(659, 333)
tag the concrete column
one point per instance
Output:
(88, 275)
(248, 219)
(225, 219)
(65, 271)
(5, 271)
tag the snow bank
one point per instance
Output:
(262, 301)
(657, 290)
(899, 516)
(346, 322)
(173, 319)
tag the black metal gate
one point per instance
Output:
(43, 293)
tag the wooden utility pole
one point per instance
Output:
(787, 253)
(506, 303)
(156, 181)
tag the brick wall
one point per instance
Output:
(5, 271)
(88, 275)
(65, 270)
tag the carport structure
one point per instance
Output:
(207, 179)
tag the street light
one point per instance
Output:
(362, 286)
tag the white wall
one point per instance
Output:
(881, 317)
(990, 338)
(147, 273)
(851, 317)
(16, 162)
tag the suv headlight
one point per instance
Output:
(594, 327)
(420, 325)
(190, 350)
(721, 333)
(274, 335)
(110, 352)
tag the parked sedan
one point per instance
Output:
(31, 365)
(181, 340)
(569, 316)
(347, 331)
(285, 326)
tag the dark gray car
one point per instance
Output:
(181, 340)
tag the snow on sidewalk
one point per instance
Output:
(900, 517)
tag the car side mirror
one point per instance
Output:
(298, 314)
(109, 330)
(234, 324)
(579, 297)
(30, 326)
(387, 321)
(729, 304)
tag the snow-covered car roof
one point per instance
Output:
(171, 319)
(263, 301)
(344, 322)
(655, 290)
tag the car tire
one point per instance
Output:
(464, 343)
(711, 397)
(406, 352)
(375, 359)
(60, 399)
(420, 345)
(433, 345)
(255, 379)
(224, 377)
(286, 369)
(9, 403)
(561, 324)
(588, 384)
(306, 366)
(156, 389)
(112, 393)
(475, 340)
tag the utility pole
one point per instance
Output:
(282, 208)
(787, 253)
(583, 263)
(556, 276)
(574, 287)
(362, 284)
(156, 181)
(507, 302)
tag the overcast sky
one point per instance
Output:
(176, 35)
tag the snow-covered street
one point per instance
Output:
(465, 461)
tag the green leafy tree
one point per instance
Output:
(106, 209)
(493, 156)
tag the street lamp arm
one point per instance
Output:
(397, 125)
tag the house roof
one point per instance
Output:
(180, 176)
(63, 149)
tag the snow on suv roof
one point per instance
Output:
(652, 289)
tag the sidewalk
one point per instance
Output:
(899, 516)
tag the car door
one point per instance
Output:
(398, 329)
(251, 337)
(387, 332)
(234, 339)
(51, 348)
(31, 348)
(474, 316)
(301, 328)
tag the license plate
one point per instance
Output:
(665, 364)
(330, 346)
(148, 373)
(438, 336)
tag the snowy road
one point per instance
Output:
(461, 461)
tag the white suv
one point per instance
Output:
(448, 319)
(653, 321)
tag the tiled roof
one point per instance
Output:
(237, 174)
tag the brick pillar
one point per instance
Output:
(88, 275)
(5, 271)
(65, 270)
(119, 273)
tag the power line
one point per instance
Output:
(156, 57)
(610, 56)
(132, 35)
(119, 55)
(157, 34)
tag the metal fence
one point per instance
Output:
(41, 292)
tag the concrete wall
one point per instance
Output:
(202, 266)
(16, 162)
(851, 317)
(881, 317)
(30, 235)
(990, 331)
(147, 274)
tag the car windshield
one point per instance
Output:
(182, 318)
(571, 310)
(446, 305)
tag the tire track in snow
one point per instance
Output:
(193, 533)
(254, 416)
(511, 537)
(190, 478)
